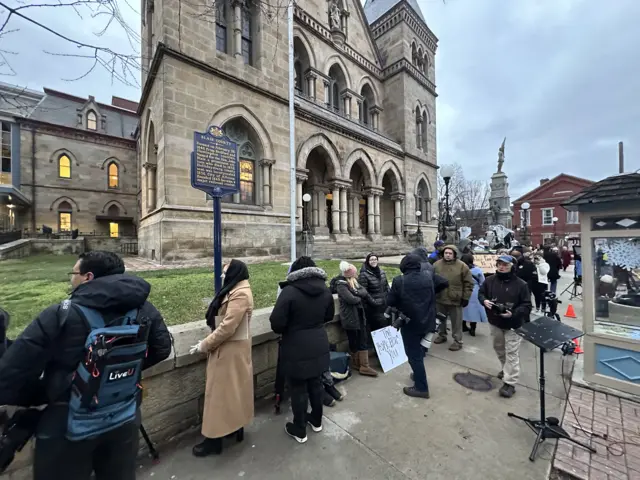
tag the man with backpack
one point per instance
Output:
(84, 359)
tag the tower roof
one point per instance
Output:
(374, 9)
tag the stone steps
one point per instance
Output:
(356, 247)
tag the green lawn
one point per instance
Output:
(29, 285)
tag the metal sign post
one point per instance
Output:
(215, 170)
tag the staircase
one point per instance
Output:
(346, 246)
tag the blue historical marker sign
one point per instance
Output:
(215, 170)
(214, 163)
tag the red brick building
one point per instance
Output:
(545, 204)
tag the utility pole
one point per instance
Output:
(620, 157)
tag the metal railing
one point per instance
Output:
(12, 236)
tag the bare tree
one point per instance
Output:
(468, 199)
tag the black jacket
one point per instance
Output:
(352, 303)
(305, 304)
(509, 290)
(527, 271)
(555, 264)
(378, 287)
(426, 262)
(48, 345)
(414, 294)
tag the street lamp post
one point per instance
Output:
(555, 237)
(306, 198)
(525, 208)
(419, 238)
(446, 172)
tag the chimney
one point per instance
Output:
(543, 181)
(620, 158)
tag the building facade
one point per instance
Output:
(546, 204)
(365, 128)
(73, 165)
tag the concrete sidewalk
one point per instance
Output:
(379, 433)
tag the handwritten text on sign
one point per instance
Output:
(389, 346)
(215, 162)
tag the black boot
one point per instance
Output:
(238, 435)
(465, 327)
(210, 446)
(334, 392)
(472, 328)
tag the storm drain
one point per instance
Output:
(473, 382)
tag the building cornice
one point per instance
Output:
(421, 160)
(405, 66)
(403, 12)
(77, 134)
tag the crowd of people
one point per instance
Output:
(44, 365)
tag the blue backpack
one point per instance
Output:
(105, 388)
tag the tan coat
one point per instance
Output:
(228, 398)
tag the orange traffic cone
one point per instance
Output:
(570, 312)
(578, 349)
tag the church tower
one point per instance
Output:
(407, 47)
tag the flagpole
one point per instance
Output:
(292, 139)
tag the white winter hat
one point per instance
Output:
(606, 279)
(347, 269)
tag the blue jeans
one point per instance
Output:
(415, 354)
(553, 286)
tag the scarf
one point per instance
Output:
(237, 271)
(375, 270)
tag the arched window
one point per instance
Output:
(247, 32)
(414, 54)
(64, 217)
(297, 67)
(221, 26)
(367, 102)
(92, 120)
(423, 202)
(301, 66)
(425, 64)
(249, 152)
(64, 167)
(425, 135)
(418, 128)
(114, 175)
(247, 174)
(338, 84)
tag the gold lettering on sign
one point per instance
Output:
(216, 163)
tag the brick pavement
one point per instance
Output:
(616, 419)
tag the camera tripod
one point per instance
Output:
(547, 334)
(573, 287)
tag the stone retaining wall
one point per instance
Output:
(174, 389)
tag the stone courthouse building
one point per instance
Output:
(365, 131)
(67, 163)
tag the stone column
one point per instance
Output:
(266, 180)
(346, 98)
(360, 111)
(237, 30)
(370, 214)
(397, 216)
(299, 205)
(376, 200)
(355, 208)
(315, 203)
(335, 209)
(419, 133)
(311, 84)
(374, 120)
(327, 97)
(344, 211)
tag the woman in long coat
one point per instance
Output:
(474, 312)
(374, 281)
(228, 398)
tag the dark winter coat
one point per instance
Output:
(352, 303)
(305, 304)
(377, 287)
(527, 271)
(426, 260)
(555, 265)
(510, 290)
(414, 294)
(48, 345)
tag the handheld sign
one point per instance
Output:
(389, 347)
(215, 170)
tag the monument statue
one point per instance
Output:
(501, 155)
(335, 15)
(495, 211)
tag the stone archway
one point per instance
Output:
(360, 172)
(316, 179)
(389, 212)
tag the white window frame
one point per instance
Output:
(550, 223)
(522, 218)
(570, 218)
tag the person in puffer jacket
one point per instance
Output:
(373, 279)
(352, 298)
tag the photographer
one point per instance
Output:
(508, 302)
(414, 294)
(49, 353)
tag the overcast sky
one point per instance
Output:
(559, 78)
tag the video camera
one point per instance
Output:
(501, 308)
(16, 432)
(399, 320)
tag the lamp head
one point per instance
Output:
(555, 219)
(446, 172)
(526, 206)
(418, 213)
(306, 198)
